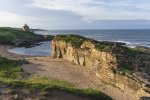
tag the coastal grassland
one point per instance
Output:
(9, 35)
(105, 46)
(9, 69)
(75, 40)
(47, 85)
(12, 74)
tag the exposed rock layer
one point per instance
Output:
(105, 65)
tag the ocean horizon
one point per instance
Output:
(132, 37)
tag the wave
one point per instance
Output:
(131, 38)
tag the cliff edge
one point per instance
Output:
(112, 62)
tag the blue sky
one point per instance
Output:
(76, 14)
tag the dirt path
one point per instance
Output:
(64, 70)
(75, 74)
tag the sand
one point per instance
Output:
(61, 69)
(4, 53)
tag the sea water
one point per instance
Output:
(132, 37)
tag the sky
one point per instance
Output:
(76, 14)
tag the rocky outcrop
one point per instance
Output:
(31, 41)
(143, 48)
(113, 63)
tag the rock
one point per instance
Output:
(30, 42)
(16, 97)
(105, 65)
(143, 48)
(82, 61)
(88, 44)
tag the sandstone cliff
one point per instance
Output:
(112, 62)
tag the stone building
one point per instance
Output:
(26, 28)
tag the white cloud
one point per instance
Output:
(16, 20)
(91, 10)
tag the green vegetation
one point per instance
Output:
(48, 85)
(126, 69)
(105, 46)
(132, 52)
(75, 40)
(11, 73)
(106, 49)
(9, 35)
(9, 69)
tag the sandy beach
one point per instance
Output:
(64, 70)
(4, 53)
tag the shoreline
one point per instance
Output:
(35, 50)
(100, 35)
(139, 47)
(5, 53)
(66, 71)
(61, 69)
(78, 75)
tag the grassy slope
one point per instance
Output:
(8, 35)
(12, 74)
(75, 40)
(9, 69)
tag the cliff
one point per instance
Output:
(112, 62)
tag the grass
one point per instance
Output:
(75, 40)
(47, 85)
(132, 52)
(105, 46)
(126, 69)
(12, 74)
(9, 35)
(107, 49)
(9, 69)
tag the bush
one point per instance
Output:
(107, 49)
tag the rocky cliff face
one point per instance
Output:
(103, 58)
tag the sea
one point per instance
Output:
(132, 38)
